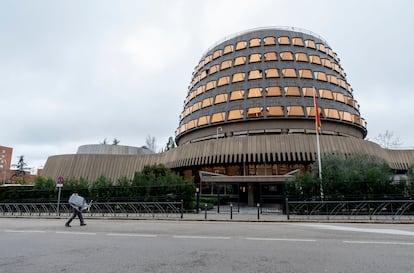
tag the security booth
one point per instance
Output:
(268, 191)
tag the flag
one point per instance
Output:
(317, 114)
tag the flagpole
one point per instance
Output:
(318, 128)
(319, 163)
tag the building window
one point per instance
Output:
(270, 56)
(332, 79)
(217, 54)
(220, 98)
(327, 63)
(191, 124)
(345, 116)
(271, 73)
(241, 45)
(225, 64)
(269, 40)
(308, 91)
(331, 113)
(200, 90)
(310, 110)
(214, 69)
(203, 120)
(275, 111)
(289, 73)
(338, 97)
(295, 111)
(255, 74)
(321, 47)
(223, 81)
(255, 112)
(305, 74)
(283, 40)
(320, 76)
(228, 49)
(255, 92)
(315, 59)
(301, 57)
(292, 91)
(235, 114)
(310, 44)
(238, 77)
(217, 117)
(286, 56)
(297, 41)
(210, 85)
(207, 102)
(254, 58)
(255, 42)
(237, 95)
(273, 91)
(203, 75)
(240, 60)
(208, 59)
(325, 94)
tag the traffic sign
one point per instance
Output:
(60, 181)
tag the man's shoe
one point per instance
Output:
(83, 224)
(67, 225)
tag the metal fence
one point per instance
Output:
(107, 209)
(383, 210)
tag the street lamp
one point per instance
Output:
(217, 131)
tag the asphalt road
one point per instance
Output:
(104, 246)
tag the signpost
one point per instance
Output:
(59, 184)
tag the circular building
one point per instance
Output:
(257, 104)
(263, 81)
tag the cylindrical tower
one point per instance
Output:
(263, 81)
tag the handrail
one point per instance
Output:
(104, 209)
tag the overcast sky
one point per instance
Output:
(77, 72)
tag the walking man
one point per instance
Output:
(77, 203)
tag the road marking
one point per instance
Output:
(201, 237)
(279, 239)
(368, 230)
(25, 231)
(378, 243)
(132, 235)
(75, 233)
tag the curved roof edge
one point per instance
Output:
(289, 28)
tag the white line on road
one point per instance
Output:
(368, 230)
(378, 243)
(75, 233)
(132, 235)
(279, 239)
(200, 237)
(25, 231)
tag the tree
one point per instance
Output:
(387, 140)
(410, 180)
(20, 173)
(170, 144)
(115, 141)
(359, 175)
(44, 183)
(151, 143)
(104, 142)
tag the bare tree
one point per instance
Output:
(151, 143)
(387, 140)
(104, 142)
(115, 141)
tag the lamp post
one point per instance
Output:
(217, 131)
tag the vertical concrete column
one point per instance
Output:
(250, 195)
